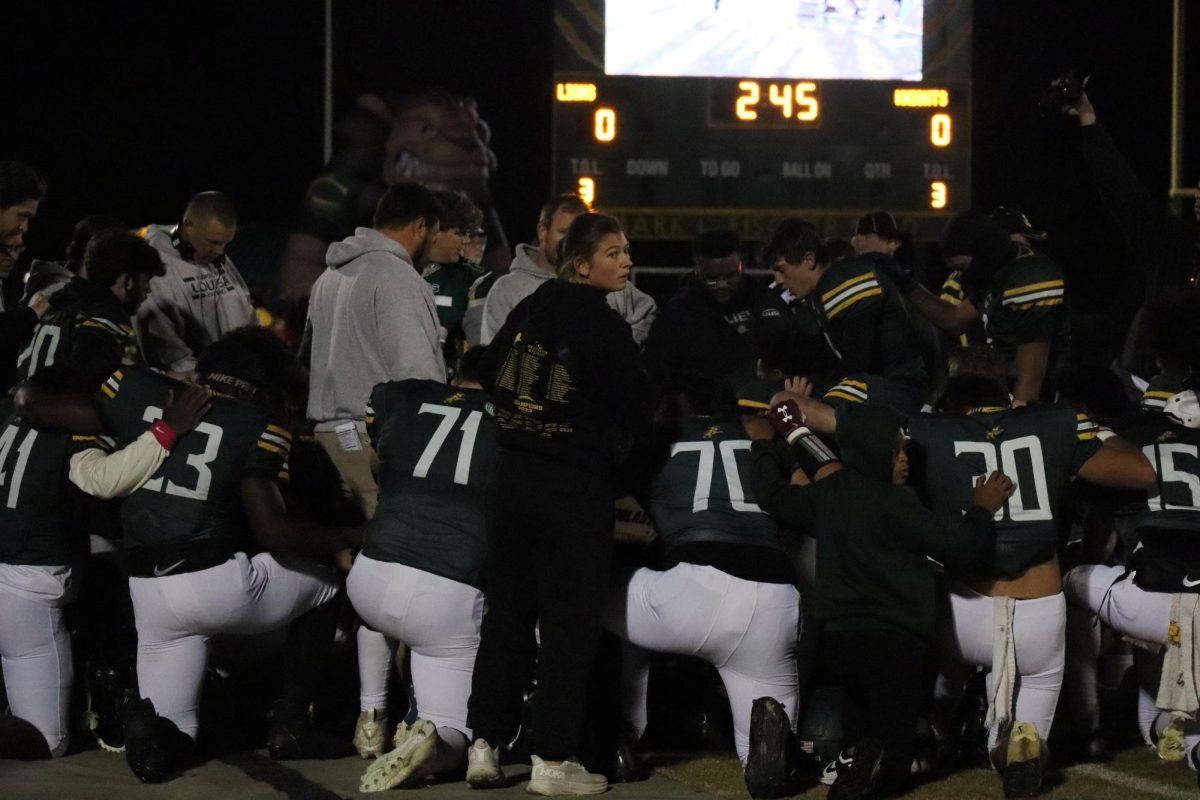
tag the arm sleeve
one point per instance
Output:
(407, 331)
(640, 311)
(658, 350)
(853, 307)
(98, 348)
(495, 311)
(161, 327)
(269, 456)
(1087, 441)
(792, 505)
(1142, 220)
(922, 532)
(620, 377)
(1034, 310)
(119, 474)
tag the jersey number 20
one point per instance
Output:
(1028, 503)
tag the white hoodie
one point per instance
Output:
(372, 318)
(189, 307)
(525, 276)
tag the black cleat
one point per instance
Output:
(768, 769)
(1020, 757)
(859, 782)
(291, 741)
(154, 747)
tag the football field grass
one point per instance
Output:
(1134, 772)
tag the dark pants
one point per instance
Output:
(884, 677)
(550, 531)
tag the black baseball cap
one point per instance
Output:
(1013, 221)
(880, 223)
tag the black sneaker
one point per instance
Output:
(839, 766)
(859, 782)
(291, 741)
(768, 769)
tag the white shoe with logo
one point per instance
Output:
(563, 779)
(483, 766)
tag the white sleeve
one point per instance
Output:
(121, 473)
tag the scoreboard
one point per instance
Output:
(671, 154)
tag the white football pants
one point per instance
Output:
(35, 648)
(747, 630)
(439, 621)
(1039, 632)
(176, 615)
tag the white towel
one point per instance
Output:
(1177, 688)
(1004, 662)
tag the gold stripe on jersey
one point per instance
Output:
(863, 295)
(1033, 287)
(270, 448)
(1038, 304)
(276, 440)
(866, 276)
(278, 431)
(747, 403)
(109, 393)
(844, 396)
(114, 328)
(104, 443)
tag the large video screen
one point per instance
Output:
(822, 39)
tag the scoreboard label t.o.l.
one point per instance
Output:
(691, 110)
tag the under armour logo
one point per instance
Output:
(785, 415)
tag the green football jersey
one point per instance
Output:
(436, 447)
(451, 284)
(868, 321)
(1164, 520)
(1039, 447)
(704, 494)
(38, 504)
(195, 496)
(1026, 302)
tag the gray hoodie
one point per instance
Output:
(525, 276)
(189, 307)
(372, 319)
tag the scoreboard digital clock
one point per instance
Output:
(737, 115)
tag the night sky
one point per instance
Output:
(132, 107)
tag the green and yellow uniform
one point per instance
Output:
(869, 324)
(38, 504)
(190, 511)
(451, 284)
(1039, 447)
(1026, 302)
(436, 446)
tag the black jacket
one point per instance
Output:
(696, 339)
(564, 376)
(872, 537)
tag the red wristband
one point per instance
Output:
(163, 433)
